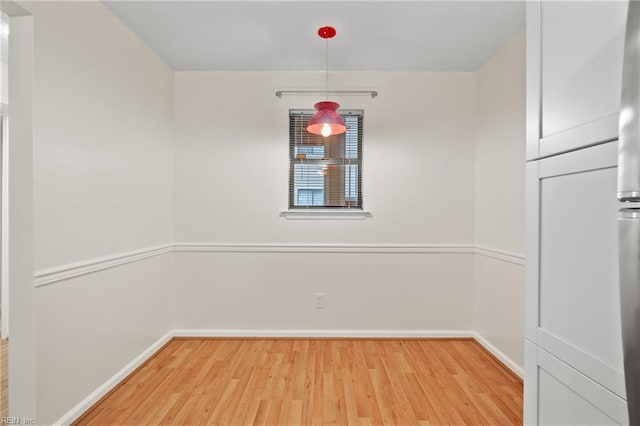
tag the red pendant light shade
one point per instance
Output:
(326, 121)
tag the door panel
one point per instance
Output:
(578, 306)
(579, 297)
(568, 398)
(560, 405)
(581, 66)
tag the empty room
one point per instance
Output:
(320, 212)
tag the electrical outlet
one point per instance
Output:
(319, 300)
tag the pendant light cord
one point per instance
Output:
(326, 74)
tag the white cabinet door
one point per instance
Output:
(566, 397)
(573, 302)
(581, 49)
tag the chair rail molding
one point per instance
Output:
(64, 272)
(324, 248)
(503, 255)
(56, 274)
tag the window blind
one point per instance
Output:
(325, 172)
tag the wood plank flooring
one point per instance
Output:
(315, 382)
(4, 377)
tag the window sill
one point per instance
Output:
(313, 214)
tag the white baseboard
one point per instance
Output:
(111, 383)
(325, 333)
(508, 362)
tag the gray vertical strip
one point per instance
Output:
(629, 121)
(629, 234)
(629, 219)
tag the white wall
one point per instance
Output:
(22, 351)
(103, 182)
(231, 184)
(499, 199)
(90, 327)
(232, 173)
(103, 153)
(412, 293)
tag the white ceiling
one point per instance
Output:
(281, 35)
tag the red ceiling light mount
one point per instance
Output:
(327, 32)
(326, 121)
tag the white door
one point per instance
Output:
(581, 47)
(573, 303)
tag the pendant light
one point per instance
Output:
(326, 121)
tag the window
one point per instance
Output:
(325, 172)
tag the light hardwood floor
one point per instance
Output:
(4, 377)
(315, 382)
